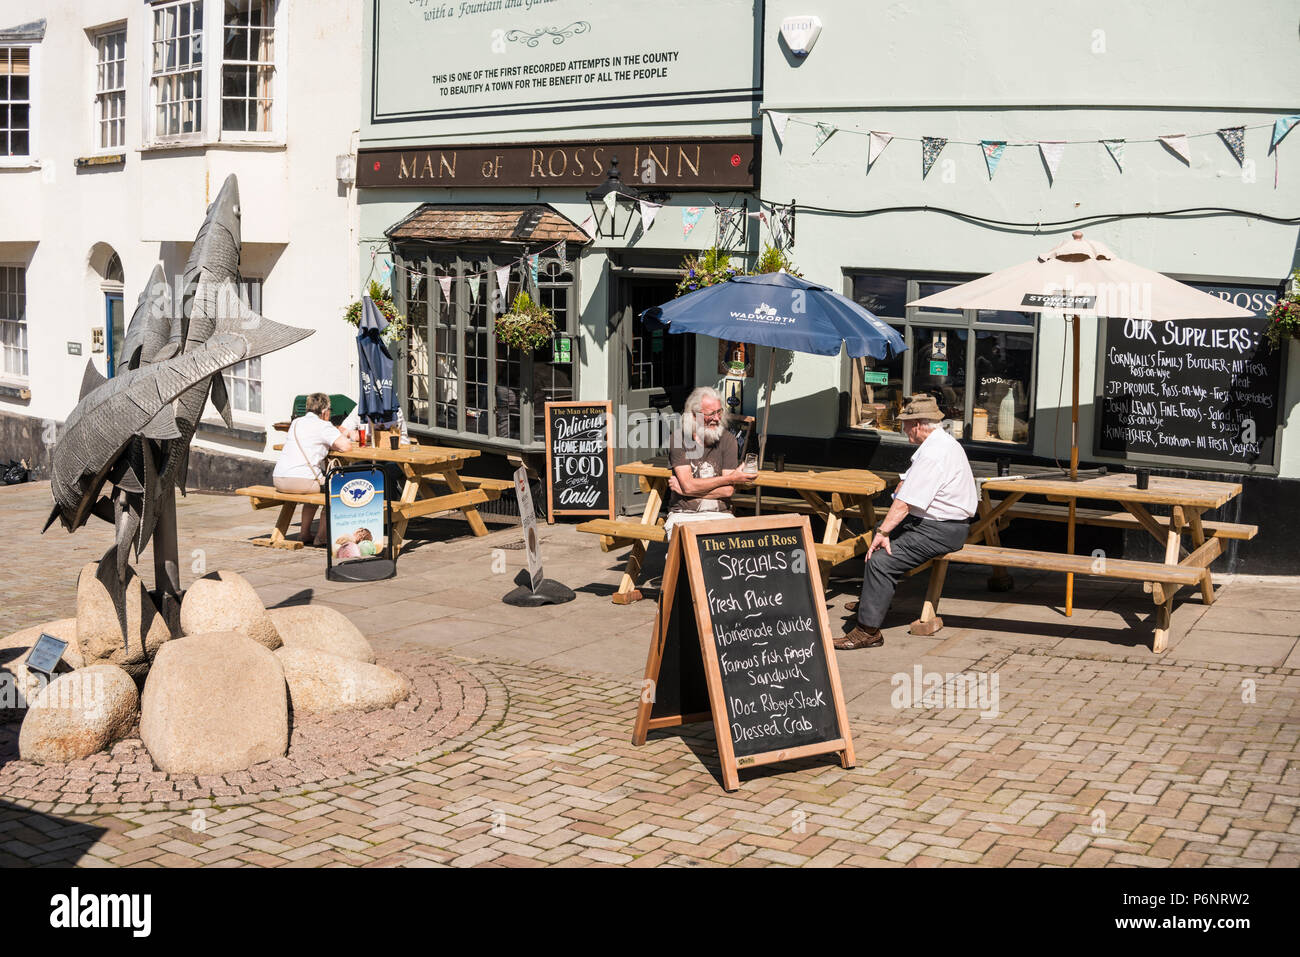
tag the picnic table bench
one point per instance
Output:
(831, 494)
(1183, 566)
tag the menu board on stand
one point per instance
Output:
(742, 639)
(579, 459)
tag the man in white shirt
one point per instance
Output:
(933, 505)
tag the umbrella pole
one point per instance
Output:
(767, 414)
(1074, 468)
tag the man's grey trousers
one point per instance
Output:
(914, 541)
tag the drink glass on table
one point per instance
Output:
(751, 464)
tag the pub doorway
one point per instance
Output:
(651, 371)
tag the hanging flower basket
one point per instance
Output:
(527, 326)
(396, 330)
(708, 269)
(775, 260)
(1284, 317)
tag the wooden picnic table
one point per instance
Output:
(424, 467)
(831, 494)
(1183, 566)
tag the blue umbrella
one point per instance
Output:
(376, 399)
(781, 311)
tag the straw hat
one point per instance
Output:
(921, 407)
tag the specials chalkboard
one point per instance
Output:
(742, 638)
(1195, 389)
(579, 459)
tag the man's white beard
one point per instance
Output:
(709, 434)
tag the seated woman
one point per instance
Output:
(310, 440)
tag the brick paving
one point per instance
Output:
(1097, 753)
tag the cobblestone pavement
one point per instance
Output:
(1097, 752)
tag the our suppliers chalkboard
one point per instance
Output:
(1195, 389)
(742, 638)
(579, 459)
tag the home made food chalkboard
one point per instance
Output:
(742, 639)
(1192, 389)
(579, 459)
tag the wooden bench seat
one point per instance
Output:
(1126, 569)
(267, 496)
(1120, 519)
(444, 503)
(616, 534)
(774, 505)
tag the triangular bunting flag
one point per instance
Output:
(473, 289)
(690, 217)
(534, 262)
(1234, 137)
(611, 200)
(648, 212)
(992, 153)
(876, 145)
(779, 120)
(1177, 144)
(445, 283)
(931, 147)
(1052, 151)
(503, 284)
(588, 226)
(1116, 150)
(385, 270)
(562, 252)
(1281, 127)
(824, 132)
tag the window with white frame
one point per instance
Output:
(248, 66)
(13, 320)
(110, 89)
(244, 379)
(15, 101)
(176, 81)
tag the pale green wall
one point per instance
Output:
(1018, 72)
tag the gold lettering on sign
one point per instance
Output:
(596, 159)
(402, 171)
(427, 172)
(444, 165)
(577, 158)
(682, 158)
(663, 166)
(550, 162)
(535, 165)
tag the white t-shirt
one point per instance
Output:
(939, 485)
(316, 437)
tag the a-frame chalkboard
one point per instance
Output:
(579, 459)
(742, 639)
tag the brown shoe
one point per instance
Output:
(859, 637)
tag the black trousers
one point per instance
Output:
(915, 541)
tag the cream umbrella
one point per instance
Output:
(1082, 277)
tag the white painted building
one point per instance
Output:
(119, 121)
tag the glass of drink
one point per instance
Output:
(751, 464)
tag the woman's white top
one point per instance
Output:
(316, 436)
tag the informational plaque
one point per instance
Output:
(579, 459)
(1194, 389)
(45, 654)
(742, 638)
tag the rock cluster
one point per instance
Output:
(218, 698)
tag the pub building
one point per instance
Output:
(887, 182)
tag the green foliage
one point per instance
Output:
(708, 269)
(527, 326)
(774, 260)
(1285, 315)
(396, 329)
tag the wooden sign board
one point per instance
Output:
(742, 639)
(579, 459)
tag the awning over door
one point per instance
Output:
(518, 223)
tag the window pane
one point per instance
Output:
(19, 88)
(924, 289)
(939, 368)
(1003, 366)
(18, 145)
(1006, 318)
(876, 393)
(883, 296)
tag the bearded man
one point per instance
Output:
(705, 459)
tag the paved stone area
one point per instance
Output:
(1092, 751)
